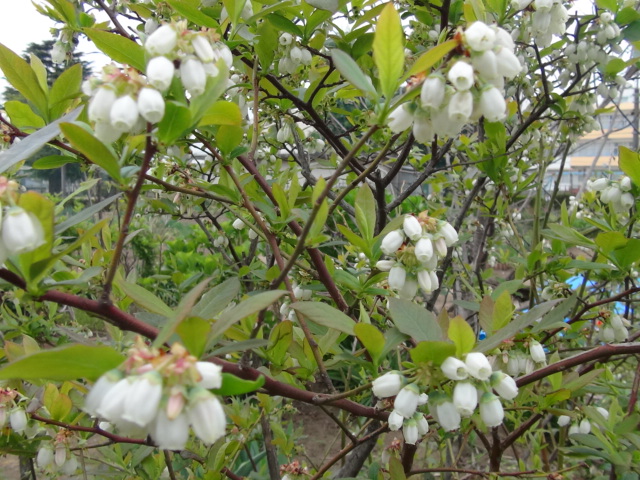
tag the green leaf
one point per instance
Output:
(228, 138)
(325, 315)
(22, 116)
(388, 50)
(434, 352)
(191, 12)
(630, 164)
(19, 74)
(53, 161)
(222, 113)
(431, 57)
(65, 89)
(92, 148)
(232, 385)
(85, 214)
(350, 70)
(176, 120)
(251, 305)
(365, 206)
(284, 24)
(568, 234)
(144, 298)
(485, 314)
(70, 362)
(414, 320)
(462, 335)
(217, 299)
(611, 5)
(555, 318)
(193, 332)
(117, 47)
(319, 222)
(371, 338)
(34, 142)
(515, 326)
(396, 470)
(234, 346)
(502, 311)
(280, 338)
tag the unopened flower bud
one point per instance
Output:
(432, 92)
(392, 241)
(412, 227)
(564, 420)
(479, 37)
(478, 365)
(388, 384)
(21, 231)
(162, 41)
(203, 49)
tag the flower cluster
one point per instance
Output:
(57, 456)
(405, 412)
(123, 100)
(467, 87)
(416, 247)
(475, 380)
(548, 18)
(615, 194)
(293, 56)
(613, 328)
(161, 394)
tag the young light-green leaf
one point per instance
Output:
(23, 78)
(92, 148)
(461, 333)
(371, 338)
(350, 70)
(431, 57)
(117, 47)
(365, 206)
(630, 164)
(388, 50)
(325, 315)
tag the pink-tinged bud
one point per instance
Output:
(504, 385)
(432, 92)
(206, 415)
(491, 410)
(170, 434)
(388, 384)
(211, 375)
(160, 71)
(410, 432)
(400, 119)
(461, 76)
(162, 41)
(124, 113)
(493, 105)
(203, 49)
(454, 369)
(412, 227)
(478, 366)
(424, 281)
(465, 398)
(460, 106)
(424, 250)
(395, 421)
(508, 64)
(397, 277)
(21, 231)
(144, 399)
(392, 241)
(406, 401)
(536, 350)
(479, 37)
(151, 105)
(193, 76)
(100, 105)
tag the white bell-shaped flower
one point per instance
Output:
(564, 420)
(397, 277)
(162, 41)
(508, 64)
(392, 241)
(410, 432)
(400, 119)
(536, 350)
(101, 103)
(461, 75)
(421, 423)
(395, 421)
(170, 434)
(409, 289)
(412, 227)
(100, 390)
(45, 457)
(406, 401)
(486, 64)
(424, 250)
(160, 71)
(105, 132)
(492, 104)
(504, 385)
(124, 113)
(388, 384)
(422, 128)
(585, 426)
(203, 48)
(625, 184)
(144, 399)
(479, 37)
(446, 414)
(18, 420)
(433, 91)
(465, 398)
(478, 365)
(206, 415)
(448, 233)
(491, 410)
(435, 281)
(151, 105)
(385, 265)
(461, 106)
(21, 231)
(193, 75)
(454, 369)
(424, 281)
(211, 375)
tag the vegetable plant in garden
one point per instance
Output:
(310, 206)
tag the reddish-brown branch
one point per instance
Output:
(231, 475)
(95, 430)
